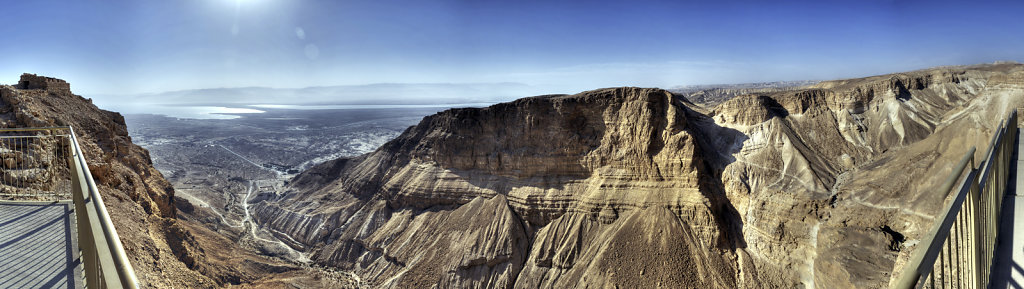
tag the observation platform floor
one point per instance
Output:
(1008, 267)
(39, 245)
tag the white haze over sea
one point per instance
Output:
(369, 106)
(230, 103)
(195, 112)
(224, 112)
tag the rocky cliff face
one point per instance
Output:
(138, 198)
(840, 180)
(830, 185)
(164, 252)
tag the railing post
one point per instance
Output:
(960, 266)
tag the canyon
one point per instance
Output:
(827, 186)
(166, 250)
(823, 185)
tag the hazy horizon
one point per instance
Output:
(131, 47)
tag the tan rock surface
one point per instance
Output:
(583, 159)
(165, 252)
(843, 183)
(825, 187)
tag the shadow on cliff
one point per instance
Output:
(717, 144)
(714, 148)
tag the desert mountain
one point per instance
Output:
(164, 251)
(828, 186)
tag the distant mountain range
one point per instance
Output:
(752, 85)
(389, 94)
(709, 95)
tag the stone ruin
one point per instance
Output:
(32, 81)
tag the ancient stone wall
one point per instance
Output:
(32, 81)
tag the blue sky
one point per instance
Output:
(119, 46)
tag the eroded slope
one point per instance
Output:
(829, 185)
(164, 251)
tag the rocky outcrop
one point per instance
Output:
(638, 187)
(825, 182)
(590, 158)
(165, 252)
(114, 161)
(138, 198)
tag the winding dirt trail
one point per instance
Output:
(252, 226)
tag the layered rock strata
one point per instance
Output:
(828, 186)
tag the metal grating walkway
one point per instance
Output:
(38, 246)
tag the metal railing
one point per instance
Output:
(30, 159)
(33, 166)
(958, 252)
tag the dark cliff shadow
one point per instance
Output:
(774, 107)
(902, 93)
(525, 151)
(718, 144)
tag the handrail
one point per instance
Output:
(959, 250)
(27, 129)
(911, 277)
(103, 257)
(32, 167)
(114, 261)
